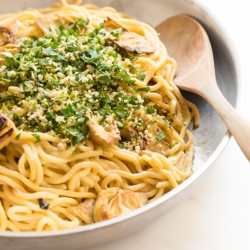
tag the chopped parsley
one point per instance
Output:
(37, 137)
(150, 110)
(173, 144)
(55, 84)
(18, 136)
(160, 136)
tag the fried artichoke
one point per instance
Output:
(7, 131)
(114, 202)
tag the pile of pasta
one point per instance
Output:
(44, 186)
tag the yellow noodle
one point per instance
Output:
(62, 176)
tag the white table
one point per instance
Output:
(217, 215)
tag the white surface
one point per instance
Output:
(217, 215)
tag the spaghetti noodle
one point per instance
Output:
(92, 125)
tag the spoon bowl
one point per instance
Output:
(187, 42)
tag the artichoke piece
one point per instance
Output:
(152, 144)
(182, 162)
(161, 147)
(150, 141)
(128, 40)
(114, 202)
(7, 131)
(132, 135)
(128, 133)
(6, 36)
(103, 136)
(84, 211)
(111, 24)
(133, 42)
(49, 24)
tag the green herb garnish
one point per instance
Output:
(37, 137)
(160, 136)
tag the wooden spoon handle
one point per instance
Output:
(238, 126)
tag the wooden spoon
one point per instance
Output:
(188, 43)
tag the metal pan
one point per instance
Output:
(210, 138)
